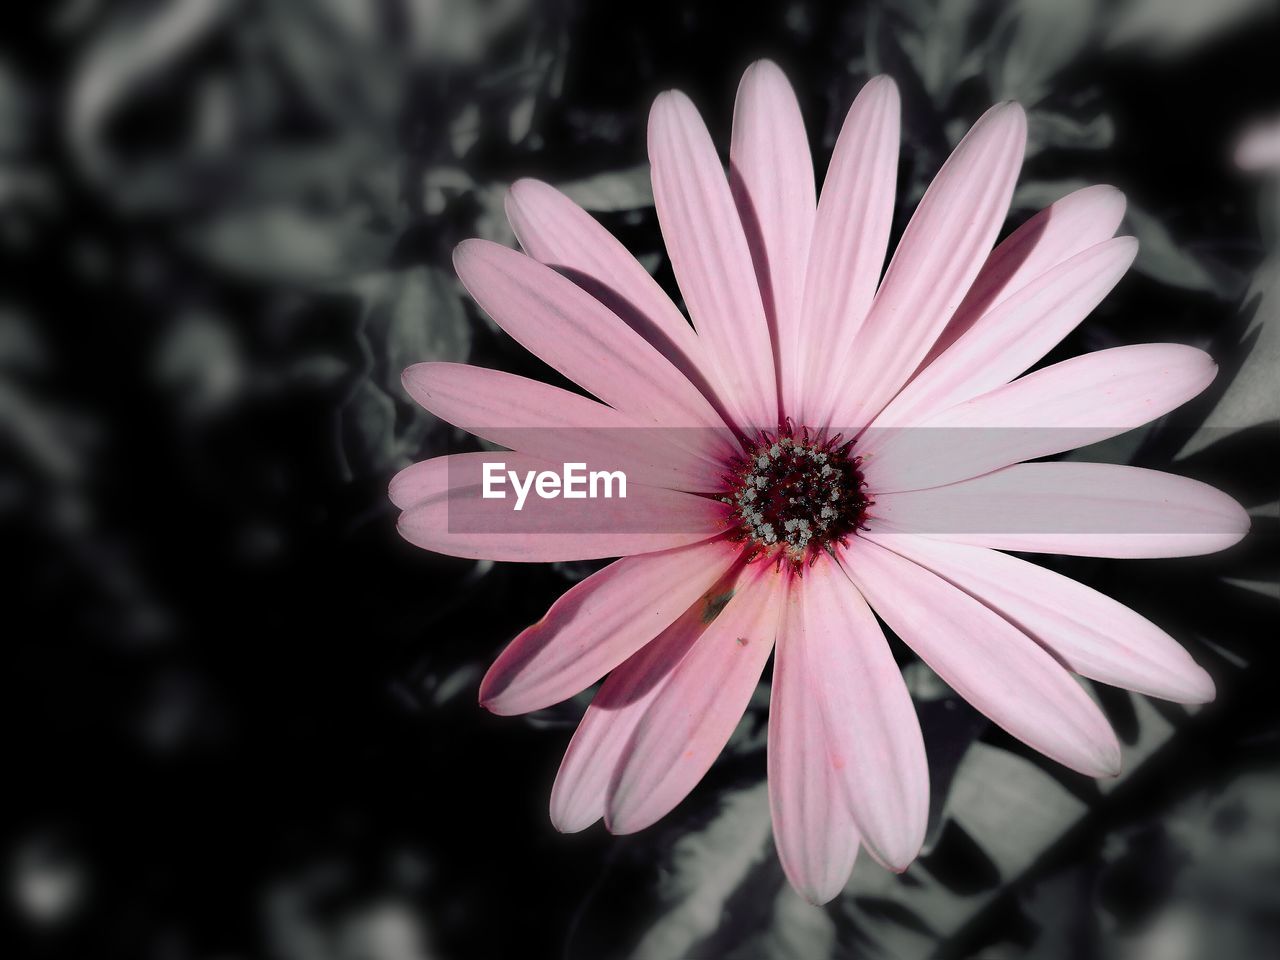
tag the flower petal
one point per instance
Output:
(418, 482)
(872, 727)
(555, 425)
(942, 250)
(851, 235)
(1079, 509)
(462, 522)
(771, 176)
(987, 660)
(694, 714)
(582, 783)
(556, 231)
(1010, 338)
(711, 259)
(813, 828)
(1064, 406)
(1092, 634)
(599, 623)
(1057, 233)
(569, 329)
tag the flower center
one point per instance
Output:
(793, 497)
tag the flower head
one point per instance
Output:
(823, 441)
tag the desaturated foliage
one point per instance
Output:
(242, 716)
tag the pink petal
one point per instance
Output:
(599, 623)
(582, 784)
(463, 523)
(988, 661)
(556, 231)
(1057, 233)
(1092, 634)
(562, 427)
(565, 326)
(1011, 337)
(711, 259)
(851, 235)
(692, 717)
(418, 482)
(1079, 509)
(872, 727)
(941, 252)
(1070, 404)
(771, 175)
(812, 827)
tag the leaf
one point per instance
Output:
(1033, 40)
(408, 316)
(282, 243)
(1171, 27)
(140, 43)
(368, 431)
(412, 316)
(628, 189)
(1250, 397)
(1161, 257)
(796, 928)
(673, 884)
(1047, 128)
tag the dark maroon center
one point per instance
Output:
(794, 497)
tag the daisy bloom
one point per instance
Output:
(830, 444)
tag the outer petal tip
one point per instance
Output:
(899, 857)
(466, 253)
(1107, 193)
(1200, 687)
(521, 192)
(565, 821)
(416, 377)
(1109, 761)
(1008, 113)
(1130, 247)
(667, 100)
(620, 825)
(818, 895)
(763, 66)
(489, 696)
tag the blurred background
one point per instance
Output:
(241, 714)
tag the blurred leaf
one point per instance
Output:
(1167, 27)
(368, 431)
(140, 42)
(342, 63)
(20, 348)
(1161, 257)
(628, 189)
(412, 316)
(285, 244)
(408, 316)
(1250, 398)
(1032, 41)
(940, 44)
(674, 883)
(1049, 129)
(795, 929)
(200, 360)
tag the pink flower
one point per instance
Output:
(798, 339)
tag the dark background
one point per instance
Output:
(240, 713)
